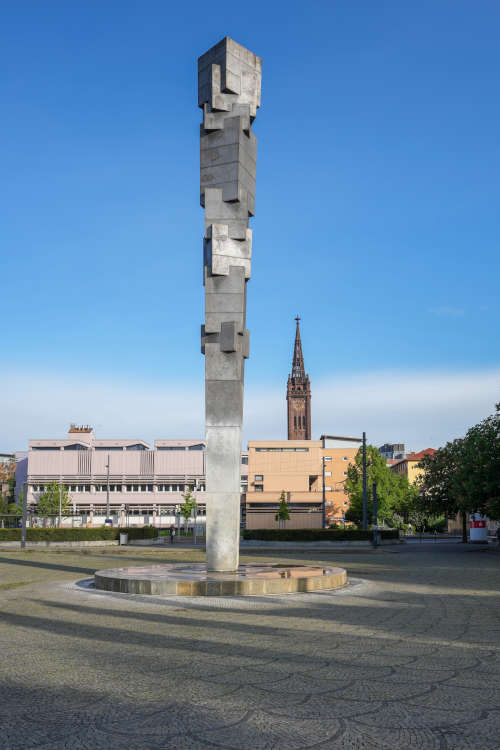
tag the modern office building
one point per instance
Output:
(392, 450)
(144, 483)
(296, 467)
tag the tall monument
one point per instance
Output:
(229, 78)
(298, 394)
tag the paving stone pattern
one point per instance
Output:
(406, 658)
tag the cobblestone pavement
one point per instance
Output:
(407, 658)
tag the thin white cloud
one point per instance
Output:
(447, 311)
(420, 409)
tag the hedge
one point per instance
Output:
(102, 533)
(316, 535)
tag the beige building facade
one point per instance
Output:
(409, 465)
(296, 467)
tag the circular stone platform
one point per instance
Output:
(194, 580)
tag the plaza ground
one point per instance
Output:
(405, 657)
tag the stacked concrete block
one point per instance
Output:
(229, 79)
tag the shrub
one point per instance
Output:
(316, 535)
(101, 533)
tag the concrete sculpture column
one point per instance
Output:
(229, 79)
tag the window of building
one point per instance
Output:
(328, 489)
(345, 458)
(197, 447)
(108, 448)
(170, 448)
(45, 448)
(244, 460)
(259, 477)
(135, 447)
(328, 473)
(259, 488)
(281, 450)
(345, 473)
(75, 447)
(112, 488)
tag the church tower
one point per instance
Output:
(298, 395)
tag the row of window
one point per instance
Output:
(120, 487)
(281, 450)
(198, 447)
(299, 422)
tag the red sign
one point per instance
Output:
(477, 524)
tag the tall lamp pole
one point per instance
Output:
(375, 514)
(323, 504)
(25, 516)
(365, 496)
(107, 490)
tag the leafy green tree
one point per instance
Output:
(187, 507)
(464, 476)
(48, 502)
(4, 506)
(283, 513)
(395, 495)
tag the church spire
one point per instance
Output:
(298, 369)
(298, 394)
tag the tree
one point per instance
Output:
(189, 503)
(48, 502)
(283, 513)
(17, 508)
(464, 475)
(9, 510)
(395, 494)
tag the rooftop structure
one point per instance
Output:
(392, 450)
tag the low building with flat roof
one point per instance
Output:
(146, 483)
(296, 467)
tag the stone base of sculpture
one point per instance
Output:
(254, 579)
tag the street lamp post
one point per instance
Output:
(195, 511)
(375, 514)
(365, 495)
(107, 491)
(323, 504)
(25, 516)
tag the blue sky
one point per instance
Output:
(376, 218)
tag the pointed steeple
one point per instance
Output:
(298, 369)
(298, 394)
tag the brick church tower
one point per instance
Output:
(298, 395)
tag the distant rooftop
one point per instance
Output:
(80, 428)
